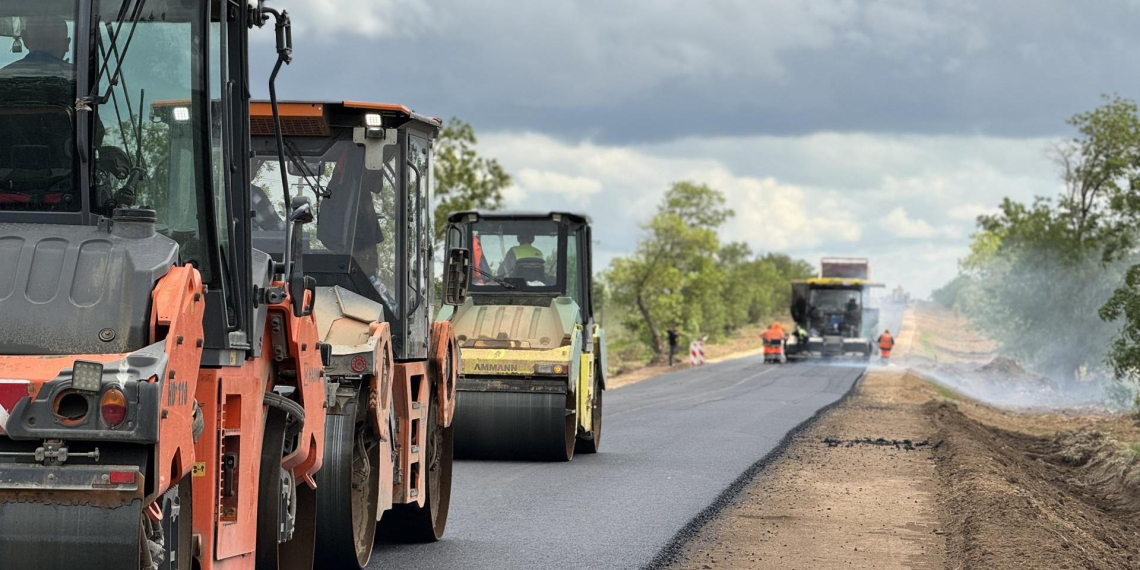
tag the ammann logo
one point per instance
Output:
(496, 367)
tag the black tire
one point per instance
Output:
(570, 429)
(593, 443)
(416, 524)
(347, 497)
(269, 490)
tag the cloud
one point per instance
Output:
(624, 71)
(906, 202)
(327, 20)
(900, 224)
(778, 217)
(970, 212)
(576, 189)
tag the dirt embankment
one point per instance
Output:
(1010, 499)
(908, 473)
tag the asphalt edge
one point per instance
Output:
(670, 553)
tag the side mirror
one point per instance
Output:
(302, 213)
(455, 276)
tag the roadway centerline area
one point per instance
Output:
(672, 445)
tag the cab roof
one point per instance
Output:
(839, 283)
(456, 217)
(314, 118)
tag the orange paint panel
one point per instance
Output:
(380, 409)
(411, 396)
(392, 107)
(178, 307)
(310, 384)
(305, 110)
(444, 349)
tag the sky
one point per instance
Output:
(871, 128)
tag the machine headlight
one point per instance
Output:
(87, 376)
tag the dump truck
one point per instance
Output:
(533, 355)
(389, 435)
(833, 313)
(163, 402)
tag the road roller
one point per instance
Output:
(533, 356)
(368, 256)
(162, 396)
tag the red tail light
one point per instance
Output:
(113, 407)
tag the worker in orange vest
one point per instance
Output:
(774, 338)
(479, 262)
(886, 343)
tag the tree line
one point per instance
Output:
(681, 274)
(1056, 281)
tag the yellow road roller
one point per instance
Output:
(533, 358)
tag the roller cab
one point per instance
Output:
(391, 371)
(162, 402)
(533, 357)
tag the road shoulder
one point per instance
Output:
(857, 489)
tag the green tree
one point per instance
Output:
(463, 179)
(673, 260)
(1039, 274)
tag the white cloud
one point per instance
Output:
(577, 189)
(970, 212)
(777, 217)
(908, 203)
(900, 224)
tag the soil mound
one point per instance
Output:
(1012, 500)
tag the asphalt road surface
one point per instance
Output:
(670, 447)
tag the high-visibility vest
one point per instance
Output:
(526, 251)
(886, 342)
(477, 254)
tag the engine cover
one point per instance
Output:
(78, 289)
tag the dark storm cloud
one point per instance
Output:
(623, 71)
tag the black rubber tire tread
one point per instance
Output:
(593, 444)
(514, 425)
(335, 526)
(269, 489)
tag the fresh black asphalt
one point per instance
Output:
(672, 446)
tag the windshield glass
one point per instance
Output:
(516, 255)
(836, 300)
(149, 133)
(37, 96)
(355, 215)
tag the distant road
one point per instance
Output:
(670, 446)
